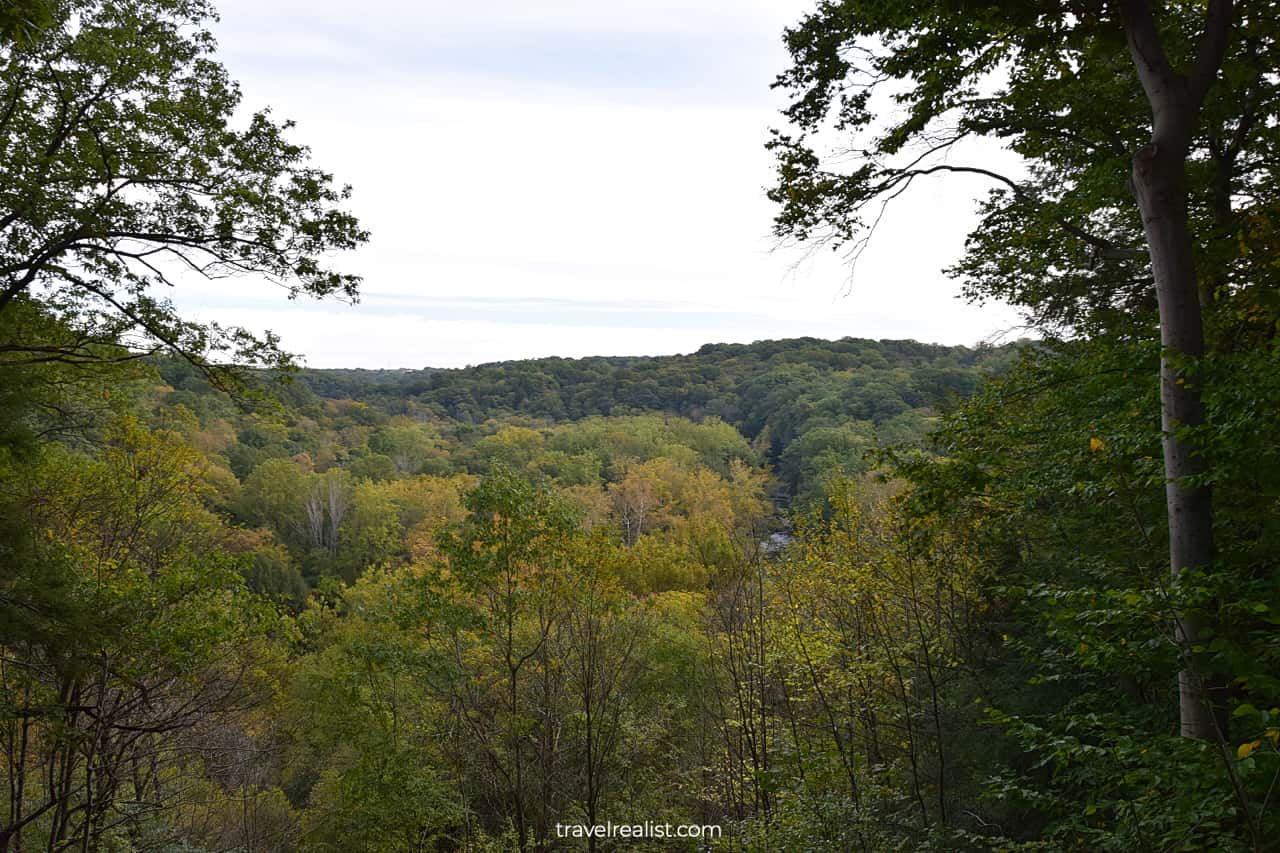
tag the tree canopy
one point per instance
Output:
(128, 170)
(1145, 162)
(900, 86)
(801, 594)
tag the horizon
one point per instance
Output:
(696, 351)
(572, 183)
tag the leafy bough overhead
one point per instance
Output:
(126, 170)
(1148, 148)
(884, 94)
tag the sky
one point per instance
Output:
(564, 177)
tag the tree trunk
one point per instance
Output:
(1161, 191)
(1159, 181)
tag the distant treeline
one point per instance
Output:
(808, 405)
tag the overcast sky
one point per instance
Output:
(564, 177)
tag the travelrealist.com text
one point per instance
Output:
(648, 829)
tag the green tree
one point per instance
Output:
(1144, 131)
(408, 444)
(372, 534)
(22, 21)
(508, 562)
(599, 650)
(274, 495)
(1076, 652)
(124, 169)
(126, 637)
(367, 748)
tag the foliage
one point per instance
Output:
(125, 170)
(827, 595)
(773, 392)
(128, 639)
(1070, 519)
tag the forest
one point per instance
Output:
(819, 595)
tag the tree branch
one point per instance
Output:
(1108, 249)
(1152, 64)
(1213, 47)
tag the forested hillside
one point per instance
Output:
(832, 596)
(812, 408)
(809, 412)
(649, 532)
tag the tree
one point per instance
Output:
(127, 638)
(408, 444)
(124, 171)
(1176, 97)
(1133, 121)
(21, 21)
(508, 563)
(367, 732)
(599, 653)
(640, 494)
(1051, 481)
(274, 494)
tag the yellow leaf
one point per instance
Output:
(1273, 735)
(1095, 444)
(1246, 748)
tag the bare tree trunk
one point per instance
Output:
(1159, 180)
(315, 517)
(1182, 338)
(339, 500)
